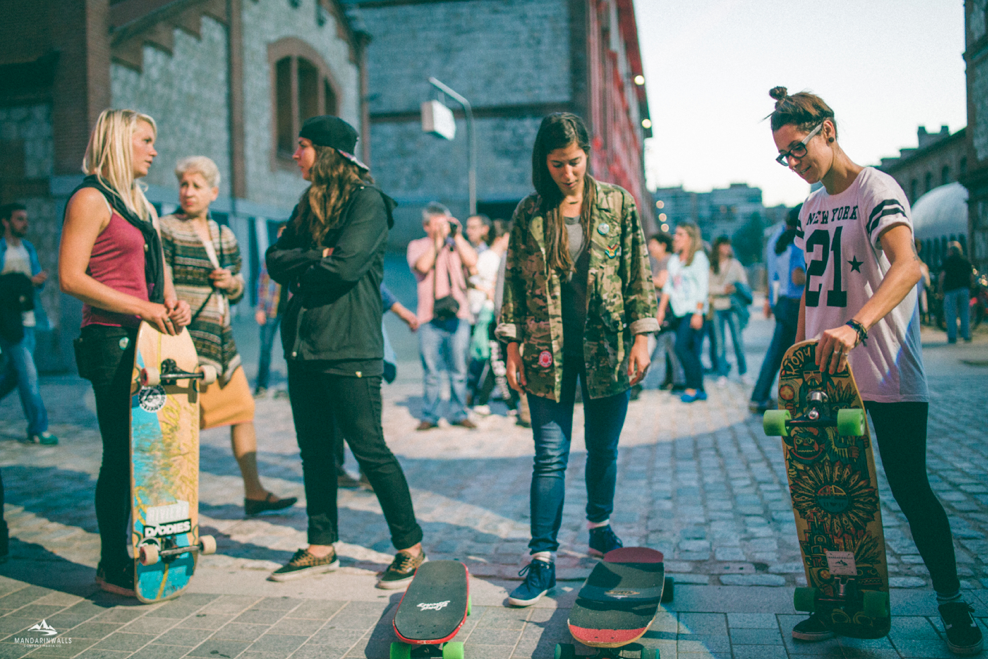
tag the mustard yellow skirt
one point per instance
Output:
(226, 405)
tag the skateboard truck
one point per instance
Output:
(170, 373)
(849, 422)
(167, 551)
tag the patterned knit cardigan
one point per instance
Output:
(189, 266)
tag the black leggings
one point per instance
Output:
(900, 429)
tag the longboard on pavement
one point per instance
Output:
(432, 610)
(831, 469)
(618, 602)
(164, 451)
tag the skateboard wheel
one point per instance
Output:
(851, 423)
(668, 590)
(400, 650)
(565, 651)
(774, 423)
(875, 604)
(207, 544)
(149, 554)
(150, 377)
(804, 599)
(453, 650)
(208, 374)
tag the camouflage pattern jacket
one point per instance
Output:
(620, 297)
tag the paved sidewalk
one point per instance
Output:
(701, 483)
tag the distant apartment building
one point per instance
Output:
(938, 159)
(976, 177)
(515, 62)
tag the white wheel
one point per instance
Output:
(150, 376)
(207, 544)
(208, 374)
(149, 554)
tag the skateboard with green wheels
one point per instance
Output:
(831, 469)
(431, 612)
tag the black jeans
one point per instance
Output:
(900, 429)
(786, 312)
(324, 405)
(109, 361)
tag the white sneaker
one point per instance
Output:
(722, 381)
(482, 410)
(746, 379)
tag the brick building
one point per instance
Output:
(229, 79)
(515, 61)
(938, 159)
(976, 178)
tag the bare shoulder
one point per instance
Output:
(88, 205)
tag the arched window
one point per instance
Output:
(302, 88)
(928, 182)
(913, 185)
(945, 175)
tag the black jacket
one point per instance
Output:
(334, 312)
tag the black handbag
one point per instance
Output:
(446, 307)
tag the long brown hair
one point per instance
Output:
(558, 131)
(696, 241)
(334, 178)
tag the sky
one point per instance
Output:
(885, 67)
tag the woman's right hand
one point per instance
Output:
(260, 317)
(158, 315)
(696, 321)
(516, 370)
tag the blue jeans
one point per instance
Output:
(689, 343)
(268, 331)
(21, 374)
(443, 346)
(786, 313)
(729, 318)
(552, 427)
(957, 301)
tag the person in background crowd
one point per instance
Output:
(955, 284)
(438, 261)
(860, 302)
(479, 232)
(786, 276)
(20, 268)
(331, 256)
(203, 261)
(923, 286)
(110, 257)
(271, 305)
(685, 295)
(578, 303)
(660, 251)
(485, 283)
(726, 274)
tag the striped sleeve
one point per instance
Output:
(885, 214)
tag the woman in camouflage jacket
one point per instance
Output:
(578, 302)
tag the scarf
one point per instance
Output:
(154, 269)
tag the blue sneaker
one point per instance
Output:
(699, 395)
(540, 576)
(602, 540)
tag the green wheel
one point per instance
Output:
(774, 423)
(400, 650)
(876, 604)
(804, 599)
(469, 604)
(565, 651)
(851, 423)
(453, 650)
(668, 590)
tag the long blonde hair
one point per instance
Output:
(334, 178)
(109, 156)
(696, 241)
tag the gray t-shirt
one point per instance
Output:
(574, 290)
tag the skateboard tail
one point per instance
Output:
(606, 638)
(435, 641)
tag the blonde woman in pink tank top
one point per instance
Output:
(110, 258)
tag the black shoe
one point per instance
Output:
(303, 563)
(812, 629)
(963, 633)
(465, 423)
(399, 574)
(602, 540)
(426, 425)
(117, 579)
(254, 507)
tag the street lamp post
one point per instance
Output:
(471, 140)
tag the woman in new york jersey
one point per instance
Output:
(860, 302)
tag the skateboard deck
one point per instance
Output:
(433, 608)
(831, 469)
(618, 601)
(164, 450)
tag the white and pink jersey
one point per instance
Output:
(845, 265)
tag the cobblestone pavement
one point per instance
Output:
(701, 483)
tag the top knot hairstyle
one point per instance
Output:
(804, 110)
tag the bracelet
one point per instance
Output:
(860, 329)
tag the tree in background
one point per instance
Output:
(748, 240)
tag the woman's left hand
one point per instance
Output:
(696, 321)
(223, 279)
(179, 311)
(833, 348)
(638, 359)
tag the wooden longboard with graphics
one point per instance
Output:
(432, 610)
(831, 469)
(164, 451)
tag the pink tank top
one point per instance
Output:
(118, 262)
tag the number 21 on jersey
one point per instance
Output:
(817, 267)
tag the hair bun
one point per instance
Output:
(779, 94)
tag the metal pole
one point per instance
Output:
(471, 140)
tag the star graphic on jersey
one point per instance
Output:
(855, 264)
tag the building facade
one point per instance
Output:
(515, 61)
(228, 79)
(938, 159)
(976, 178)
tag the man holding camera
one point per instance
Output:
(438, 261)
